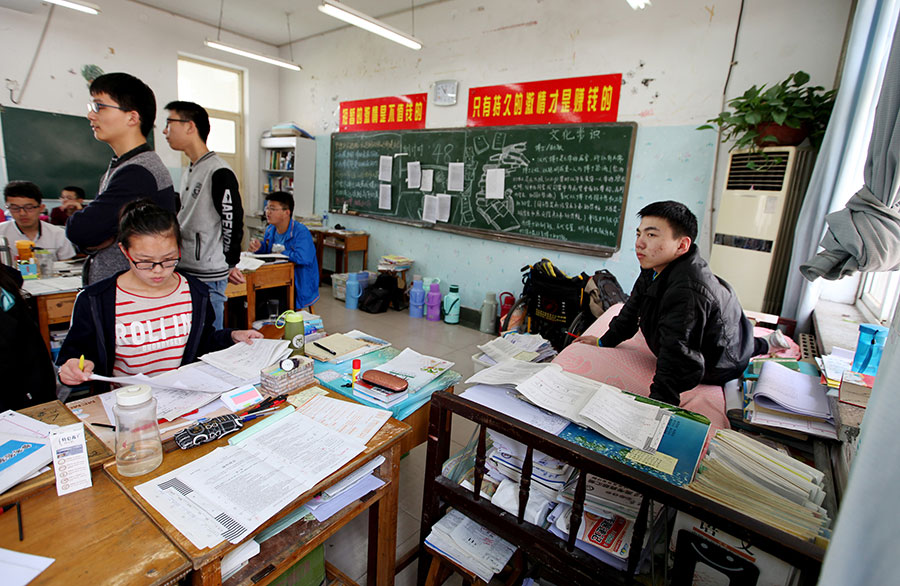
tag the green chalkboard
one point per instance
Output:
(52, 150)
(565, 186)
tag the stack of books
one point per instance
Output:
(788, 399)
(313, 326)
(764, 483)
(470, 545)
(394, 262)
(525, 347)
(377, 395)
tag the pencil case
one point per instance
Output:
(385, 381)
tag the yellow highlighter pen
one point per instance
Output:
(81, 363)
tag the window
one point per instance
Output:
(220, 90)
(878, 293)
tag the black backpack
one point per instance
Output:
(379, 296)
(602, 292)
(553, 299)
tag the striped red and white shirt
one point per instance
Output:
(151, 332)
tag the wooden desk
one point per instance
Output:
(285, 549)
(280, 274)
(96, 535)
(54, 308)
(343, 244)
(56, 413)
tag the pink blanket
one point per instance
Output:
(630, 366)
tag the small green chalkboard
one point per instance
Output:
(565, 186)
(53, 150)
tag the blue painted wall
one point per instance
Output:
(670, 162)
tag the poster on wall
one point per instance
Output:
(593, 98)
(389, 113)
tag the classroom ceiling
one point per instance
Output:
(265, 20)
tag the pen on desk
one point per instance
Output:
(105, 425)
(571, 334)
(329, 350)
(254, 415)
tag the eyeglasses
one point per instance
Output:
(97, 106)
(274, 209)
(149, 265)
(16, 209)
(171, 120)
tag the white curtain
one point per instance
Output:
(838, 171)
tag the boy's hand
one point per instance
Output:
(236, 276)
(589, 340)
(254, 245)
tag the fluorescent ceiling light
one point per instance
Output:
(363, 21)
(251, 55)
(79, 6)
(638, 4)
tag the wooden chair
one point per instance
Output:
(441, 568)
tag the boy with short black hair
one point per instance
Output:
(71, 200)
(25, 205)
(691, 319)
(284, 234)
(121, 113)
(211, 214)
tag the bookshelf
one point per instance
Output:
(288, 163)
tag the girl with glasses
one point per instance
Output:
(148, 319)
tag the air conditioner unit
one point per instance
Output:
(755, 226)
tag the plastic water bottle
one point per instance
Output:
(488, 313)
(451, 305)
(138, 446)
(433, 303)
(351, 300)
(292, 321)
(416, 299)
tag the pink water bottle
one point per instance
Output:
(433, 303)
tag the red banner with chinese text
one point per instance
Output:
(390, 113)
(554, 101)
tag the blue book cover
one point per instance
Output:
(683, 440)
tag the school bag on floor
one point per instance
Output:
(553, 300)
(379, 296)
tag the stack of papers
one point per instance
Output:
(24, 448)
(605, 537)
(417, 369)
(470, 545)
(525, 347)
(394, 262)
(334, 348)
(788, 399)
(313, 326)
(246, 360)
(833, 366)
(762, 482)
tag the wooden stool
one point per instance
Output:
(441, 568)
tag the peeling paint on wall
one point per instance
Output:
(519, 25)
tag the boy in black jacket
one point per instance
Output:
(691, 319)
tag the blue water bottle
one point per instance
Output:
(451, 305)
(417, 299)
(868, 349)
(351, 300)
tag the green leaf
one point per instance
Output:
(779, 117)
(800, 78)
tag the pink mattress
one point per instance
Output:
(630, 366)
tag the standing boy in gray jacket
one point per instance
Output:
(211, 214)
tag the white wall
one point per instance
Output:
(674, 57)
(135, 39)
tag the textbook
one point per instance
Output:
(377, 395)
(20, 457)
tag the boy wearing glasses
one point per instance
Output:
(23, 201)
(211, 214)
(286, 235)
(121, 114)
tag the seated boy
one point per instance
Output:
(23, 200)
(284, 234)
(71, 200)
(691, 319)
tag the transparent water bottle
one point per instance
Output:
(138, 446)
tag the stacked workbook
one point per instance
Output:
(338, 348)
(416, 369)
(765, 484)
(525, 347)
(470, 545)
(789, 399)
(394, 262)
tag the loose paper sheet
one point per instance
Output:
(508, 372)
(427, 180)
(455, 176)
(18, 569)
(506, 402)
(430, 208)
(443, 207)
(413, 174)
(346, 417)
(496, 180)
(384, 196)
(385, 166)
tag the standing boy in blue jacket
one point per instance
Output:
(284, 234)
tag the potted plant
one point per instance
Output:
(783, 114)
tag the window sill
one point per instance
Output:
(837, 324)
